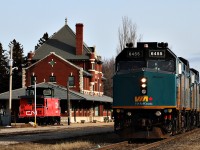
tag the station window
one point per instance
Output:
(93, 66)
(96, 111)
(52, 79)
(33, 78)
(71, 81)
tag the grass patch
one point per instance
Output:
(62, 146)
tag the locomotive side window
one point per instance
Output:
(130, 65)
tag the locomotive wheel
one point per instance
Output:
(183, 122)
(130, 141)
(174, 127)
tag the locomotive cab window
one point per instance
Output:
(47, 92)
(29, 92)
(130, 65)
(163, 65)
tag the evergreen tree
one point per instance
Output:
(42, 40)
(4, 77)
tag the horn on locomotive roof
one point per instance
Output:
(163, 45)
(129, 45)
(151, 45)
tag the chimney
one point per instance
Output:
(79, 39)
(30, 56)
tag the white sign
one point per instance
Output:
(30, 113)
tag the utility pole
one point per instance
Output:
(10, 63)
(35, 94)
(68, 103)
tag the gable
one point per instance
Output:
(48, 59)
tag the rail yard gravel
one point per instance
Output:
(188, 142)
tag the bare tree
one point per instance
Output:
(108, 71)
(127, 34)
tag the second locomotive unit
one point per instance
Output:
(155, 93)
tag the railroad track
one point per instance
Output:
(144, 145)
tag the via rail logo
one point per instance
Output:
(143, 100)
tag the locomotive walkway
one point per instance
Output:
(27, 134)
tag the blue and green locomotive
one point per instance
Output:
(155, 93)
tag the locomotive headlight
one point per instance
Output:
(158, 113)
(143, 80)
(144, 85)
(144, 91)
(169, 110)
(129, 113)
(118, 110)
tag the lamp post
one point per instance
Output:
(35, 101)
(10, 63)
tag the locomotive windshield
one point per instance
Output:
(158, 65)
(152, 56)
(130, 65)
(163, 65)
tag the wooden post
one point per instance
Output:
(68, 103)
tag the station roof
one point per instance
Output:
(63, 43)
(59, 91)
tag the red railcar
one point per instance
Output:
(47, 106)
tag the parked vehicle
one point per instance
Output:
(47, 106)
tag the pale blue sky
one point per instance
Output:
(174, 21)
